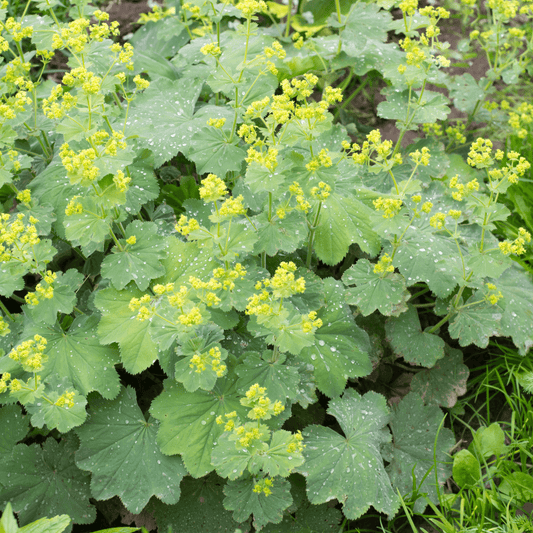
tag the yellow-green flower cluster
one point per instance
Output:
(321, 192)
(80, 166)
(211, 49)
(421, 158)
(438, 220)
(384, 265)
(212, 189)
(53, 109)
(301, 203)
(276, 50)
(15, 29)
(4, 328)
(310, 322)
(493, 295)
(506, 9)
(261, 407)
(217, 123)
(263, 486)
(6, 376)
(389, 206)
(187, 225)
(43, 291)
(30, 354)
(249, 7)
(16, 237)
(521, 119)
(121, 182)
(228, 276)
(157, 13)
(383, 149)
(141, 306)
(140, 83)
(212, 358)
(66, 400)
(73, 207)
(517, 246)
(131, 240)
(323, 159)
(267, 158)
(456, 133)
(480, 153)
(232, 207)
(461, 190)
(24, 196)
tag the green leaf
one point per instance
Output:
(199, 509)
(11, 278)
(143, 186)
(87, 225)
(475, 324)
(241, 498)
(488, 441)
(286, 235)
(335, 464)
(518, 486)
(517, 289)
(417, 259)
(211, 151)
(343, 221)
(365, 24)
(63, 418)
(40, 481)
(281, 380)
(466, 469)
(409, 341)
(432, 108)
(139, 262)
(387, 294)
(414, 430)
(63, 300)
(341, 347)
(57, 524)
(491, 264)
(118, 324)
(261, 179)
(118, 446)
(188, 425)
(78, 355)
(443, 383)
(15, 427)
(161, 115)
(466, 91)
(185, 259)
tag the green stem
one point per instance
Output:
(350, 98)
(289, 16)
(339, 19)
(312, 236)
(7, 313)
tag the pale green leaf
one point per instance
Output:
(387, 294)
(15, 426)
(139, 262)
(341, 347)
(118, 324)
(285, 234)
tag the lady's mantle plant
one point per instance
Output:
(225, 302)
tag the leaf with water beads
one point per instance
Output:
(413, 452)
(279, 377)
(516, 286)
(61, 417)
(276, 234)
(43, 481)
(118, 324)
(409, 341)
(15, 426)
(341, 348)
(344, 220)
(476, 323)
(138, 262)
(78, 355)
(161, 116)
(373, 292)
(188, 421)
(241, 498)
(336, 463)
(210, 149)
(118, 446)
